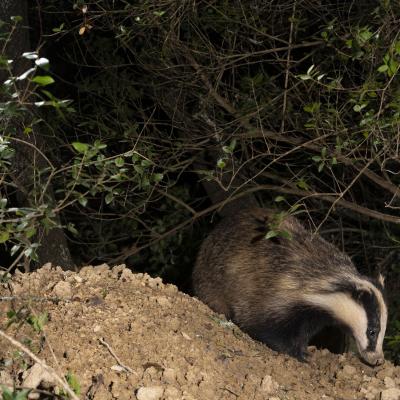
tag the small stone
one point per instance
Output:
(366, 378)
(172, 393)
(155, 283)
(46, 267)
(101, 268)
(389, 382)
(37, 374)
(126, 275)
(163, 301)
(349, 370)
(150, 393)
(169, 375)
(275, 398)
(390, 394)
(268, 385)
(97, 328)
(63, 289)
(78, 279)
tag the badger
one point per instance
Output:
(283, 290)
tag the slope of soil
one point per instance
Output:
(128, 336)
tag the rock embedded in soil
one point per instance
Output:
(390, 394)
(150, 393)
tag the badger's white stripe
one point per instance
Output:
(382, 309)
(383, 320)
(344, 309)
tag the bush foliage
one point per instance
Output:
(147, 100)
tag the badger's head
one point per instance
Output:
(360, 306)
(369, 323)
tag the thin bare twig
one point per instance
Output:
(48, 369)
(109, 348)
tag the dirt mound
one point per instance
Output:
(127, 336)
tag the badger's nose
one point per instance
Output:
(380, 361)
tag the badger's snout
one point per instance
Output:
(373, 358)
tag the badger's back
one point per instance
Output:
(284, 289)
(243, 275)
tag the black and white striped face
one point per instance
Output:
(369, 335)
(362, 309)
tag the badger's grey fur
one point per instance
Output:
(282, 291)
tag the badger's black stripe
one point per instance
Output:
(371, 307)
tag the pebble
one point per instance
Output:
(169, 375)
(150, 393)
(172, 393)
(268, 385)
(163, 301)
(154, 283)
(36, 375)
(390, 394)
(63, 289)
(349, 370)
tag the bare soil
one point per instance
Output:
(129, 336)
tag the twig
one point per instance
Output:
(284, 105)
(328, 197)
(48, 369)
(125, 367)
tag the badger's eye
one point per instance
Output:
(372, 332)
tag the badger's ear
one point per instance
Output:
(381, 280)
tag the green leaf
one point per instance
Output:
(72, 229)
(38, 321)
(4, 236)
(359, 107)
(30, 55)
(278, 199)
(43, 62)
(158, 177)
(302, 184)
(221, 163)
(43, 80)
(158, 13)
(30, 232)
(271, 234)
(227, 150)
(73, 383)
(80, 147)
(16, 18)
(14, 249)
(320, 167)
(285, 234)
(109, 197)
(119, 162)
(316, 158)
(383, 68)
(83, 201)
